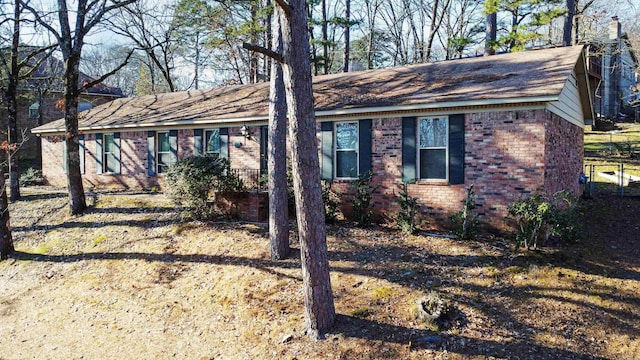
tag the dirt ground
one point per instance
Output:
(130, 280)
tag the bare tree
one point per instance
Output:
(152, 30)
(87, 15)
(100, 59)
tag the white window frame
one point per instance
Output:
(105, 153)
(336, 150)
(158, 152)
(420, 148)
(205, 141)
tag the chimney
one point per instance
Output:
(614, 28)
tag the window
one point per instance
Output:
(432, 147)
(34, 110)
(164, 152)
(346, 150)
(212, 142)
(110, 155)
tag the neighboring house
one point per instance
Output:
(613, 67)
(511, 125)
(37, 101)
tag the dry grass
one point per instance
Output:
(128, 279)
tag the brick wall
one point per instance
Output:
(133, 159)
(508, 155)
(564, 162)
(504, 160)
(244, 153)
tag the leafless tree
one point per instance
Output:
(71, 39)
(151, 29)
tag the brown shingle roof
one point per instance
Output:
(499, 78)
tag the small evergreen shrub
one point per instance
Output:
(531, 214)
(362, 198)
(190, 180)
(565, 221)
(537, 218)
(465, 223)
(31, 176)
(330, 201)
(406, 217)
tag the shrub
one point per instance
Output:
(330, 202)
(190, 180)
(31, 176)
(362, 198)
(531, 214)
(565, 220)
(465, 223)
(538, 218)
(406, 217)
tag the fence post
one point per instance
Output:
(622, 180)
(592, 171)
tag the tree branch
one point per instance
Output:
(102, 78)
(285, 7)
(41, 20)
(262, 50)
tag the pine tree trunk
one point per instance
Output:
(77, 200)
(347, 33)
(320, 311)
(12, 100)
(568, 23)
(490, 37)
(277, 150)
(6, 241)
(325, 38)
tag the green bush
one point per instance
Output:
(465, 223)
(362, 198)
(330, 202)
(565, 219)
(538, 218)
(190, 180)
(31, 176)
(406, 217)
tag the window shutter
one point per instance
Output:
(326, 148)
(151, 153)
(197, 142)
(173, 146)
(116, 143)
(456, 149)
(224, 143)
(64, 156)
(81, 149)
(409, 151)
(264, 148)
(364, 146)
(99, 153)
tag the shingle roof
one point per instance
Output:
(526, 75)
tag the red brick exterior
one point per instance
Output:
(508, 155)
(133, 159)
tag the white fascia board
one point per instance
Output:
(347, 113)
